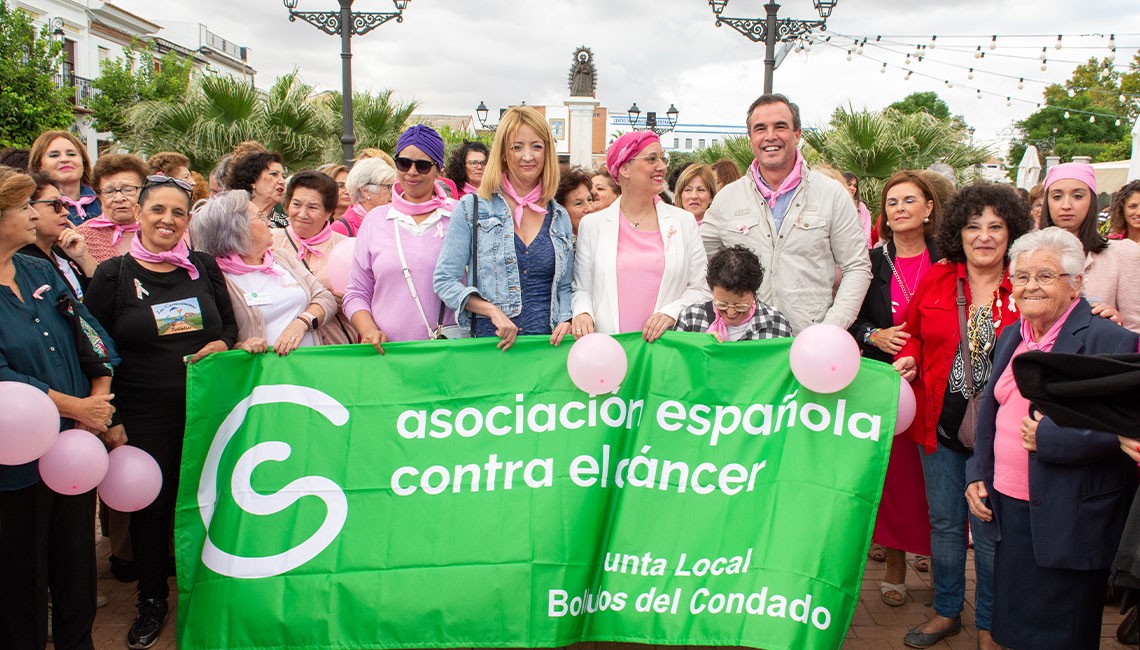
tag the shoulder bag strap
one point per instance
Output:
(474, 279)
(964, 341)
(347, 226)
(408, 277)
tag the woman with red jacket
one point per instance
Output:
(978, 225)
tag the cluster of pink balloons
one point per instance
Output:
(825, 359)
(73, 461)
(340, 264)
(597, 364)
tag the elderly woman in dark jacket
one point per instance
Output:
(1053, 498)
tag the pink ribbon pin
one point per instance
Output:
(38, 294)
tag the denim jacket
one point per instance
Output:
(498, 270)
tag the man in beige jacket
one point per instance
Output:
(802, 224)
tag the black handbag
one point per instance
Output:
(966, 430)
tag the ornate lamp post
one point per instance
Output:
(482, 112)
(769, 29)
(651, 119)
(346, 24)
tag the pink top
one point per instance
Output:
(911, 270)
(865, 221)
(99, 242)
(353, 215)
(640, 265)
(1011, 460)
(376, 282)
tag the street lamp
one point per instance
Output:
(481, 112)
(346, 24)
(769, 29)
(651, 119)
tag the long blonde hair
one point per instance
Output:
(514, 118)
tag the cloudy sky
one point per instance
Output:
(451, 54)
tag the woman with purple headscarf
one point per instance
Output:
(640, 261)
(389, 295)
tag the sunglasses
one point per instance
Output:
(422, 166)
(159, 179)
(56, 204)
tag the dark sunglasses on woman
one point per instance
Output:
(422, 166)
(159, 179)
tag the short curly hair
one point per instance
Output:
(570, 180)
(1116, 220)
(319, 182)
(165, 162)
(968, 203)
(736, 269)
(457, 164)
(245, 170)
(115, 163)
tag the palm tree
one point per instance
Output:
(377, 120)
(736, 148)
(873, 145)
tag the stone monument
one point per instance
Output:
(583, 80)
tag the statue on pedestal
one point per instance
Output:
(583, 74)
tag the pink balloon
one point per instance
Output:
(907, 407)
(597, 364)
(75, 463)
(825, 358)
(340, 264)
(133, 479)
(29, 423)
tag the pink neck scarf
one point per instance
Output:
(1050, 337)
(790, 183)
(234, 264)
(521, 202)
(78, 203)
(120, 228)
(468, 188)
(178, 256)
(438, 200)
(719, 326)
(309, 245)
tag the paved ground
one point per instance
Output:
(875, 626)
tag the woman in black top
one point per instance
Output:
(169, 307)
(57, 241)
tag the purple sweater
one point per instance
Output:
(376, 283)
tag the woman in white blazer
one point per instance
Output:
(640, 261)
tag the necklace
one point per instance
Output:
(637, 224)
(907, 289)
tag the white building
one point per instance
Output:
(92, 31)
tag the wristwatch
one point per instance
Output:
(308, 319)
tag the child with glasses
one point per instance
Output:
(734, 313)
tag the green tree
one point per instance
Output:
(453, 139)
(1091, 114)
(30, 100)
(217, 113)
(137, 76)
(736, 148)
(875, 144)
(377, 120)
(928, 102)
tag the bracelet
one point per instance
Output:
(869, 337)
(308, 319)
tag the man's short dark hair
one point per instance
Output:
(774, 98)
(736, 269)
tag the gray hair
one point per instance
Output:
(221, 170)
(220, 225)
(368, 172)
(1054, 239)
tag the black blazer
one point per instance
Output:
(34, 251)
(1080, 483)
(876, 309)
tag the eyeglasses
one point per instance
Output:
(159, 179)
(653, 159)
(56, 204)
(422, 166)
(477, 164)
(129, 191)
(1043, 278)
(739, 308)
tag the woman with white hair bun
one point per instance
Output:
(369, 183)
(1053, 499)
(274, 298)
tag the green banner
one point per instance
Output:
(447, 494)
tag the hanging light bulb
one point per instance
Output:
(1112, 42)
(979, 94)
(1043, 51)
(1044, 65)
(993, 42)
(848, 55)
(935, 37)
(1066, 115)
(907, 59)
(1021, 83)
(883, 69)
(906, 77)
(1058, 45)
(859, 50)
(1092, 118)
(948, 84)
(978, 52)
(971, 75)
(1117, 122)
(1122, 99)
(1008, 101)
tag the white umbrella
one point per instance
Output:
(1029, 170)
(1134, 166)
